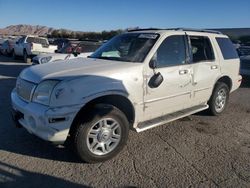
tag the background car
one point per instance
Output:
(69, 51)
(243, 50)
(7, 47)
(62, 42)
(30, 46)
(244, 54)
(1, 42)
(245, 65)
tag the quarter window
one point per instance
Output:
(201, 49)
(227, 49)
(171, 52)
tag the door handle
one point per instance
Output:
(214, 67)
(182, 72)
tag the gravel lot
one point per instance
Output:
(198, 151)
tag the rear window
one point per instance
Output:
(227, 49)
(37, 40)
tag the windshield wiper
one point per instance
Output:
(108, 58)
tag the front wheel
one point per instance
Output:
(219, 99)
(103, 136)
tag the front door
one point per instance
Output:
(174, 93)
(19, 47)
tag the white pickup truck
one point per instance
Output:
(30, 46)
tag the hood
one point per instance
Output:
(75, 68)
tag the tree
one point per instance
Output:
(104, 35)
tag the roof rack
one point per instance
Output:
(178, 29)
(198, 30)
(144, 29)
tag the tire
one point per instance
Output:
(102, 136)
(14, 55)
(219, 99)
(26, 58)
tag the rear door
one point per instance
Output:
(206, 68)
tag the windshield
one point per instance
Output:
(131, 47)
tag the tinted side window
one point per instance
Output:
(201, 49)
(21, 40)
(227, 49)
(171, 52)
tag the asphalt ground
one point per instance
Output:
(198, 151)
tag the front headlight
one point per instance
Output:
(43, 91)
(46, 59)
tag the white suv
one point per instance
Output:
(138, 80)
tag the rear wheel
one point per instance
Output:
(219, 99)
(14, 55)
(26, 58)
(102, 136)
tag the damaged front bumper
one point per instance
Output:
(50, 124)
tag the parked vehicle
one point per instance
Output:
(1, 43)
(244, 54)
(62, 42)
(70, 51)
(30, 46)
(7, 47)
(243, 50)
(245, 65)
(137, 80)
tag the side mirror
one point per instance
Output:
(56, 51)
(16, 42)
(156, 80)
(152, 63)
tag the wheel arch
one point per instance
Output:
(119, 101)
(227, 80)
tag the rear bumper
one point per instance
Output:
(38, 119)
(236, 83)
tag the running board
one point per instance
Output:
(168, 118)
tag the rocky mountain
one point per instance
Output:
(26, 29)
(22, 29)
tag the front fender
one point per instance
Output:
(81, 90)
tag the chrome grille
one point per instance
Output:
(24, 89)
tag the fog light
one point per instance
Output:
(55, 120)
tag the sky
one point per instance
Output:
(99, 15)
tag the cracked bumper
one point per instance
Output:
(36, 119)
